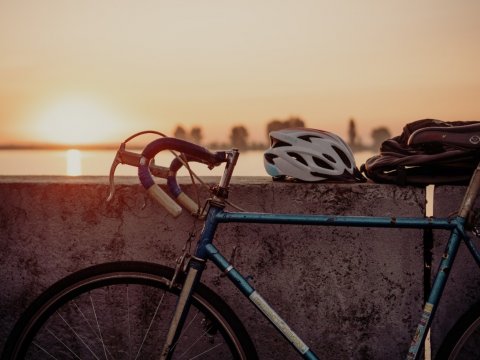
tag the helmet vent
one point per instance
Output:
(329, 158)
(308, 137)
(280, 144)
(343, 156)
(270, 157)
(321, 176)
(297, 157)
(322, 163)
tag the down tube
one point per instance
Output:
(242, 284)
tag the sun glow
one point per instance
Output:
(76, 120)
(74, 162)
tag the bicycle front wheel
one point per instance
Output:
(122, 310)
(463, 340)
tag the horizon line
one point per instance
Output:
(57, 146)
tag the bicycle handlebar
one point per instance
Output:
(175, 189)
(192, 152)
(133, 159)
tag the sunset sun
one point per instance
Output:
(76, 120)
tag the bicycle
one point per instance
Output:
(198, 323)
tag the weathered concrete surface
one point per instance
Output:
(350, 293)
(463, 287)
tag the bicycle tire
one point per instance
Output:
(463, 340)
(86, 309)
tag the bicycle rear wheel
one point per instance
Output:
(122, 310)
(463, 340)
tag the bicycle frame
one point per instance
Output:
(216, 214)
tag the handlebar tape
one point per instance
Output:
(193, 152)
(175, 189)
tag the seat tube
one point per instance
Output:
(437, 289)
(445, 265)
(471, 194)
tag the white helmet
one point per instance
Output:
(310, 155)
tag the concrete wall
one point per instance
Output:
(355, 293)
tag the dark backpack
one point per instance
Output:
(429, 162)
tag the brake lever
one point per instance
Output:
(113, 167)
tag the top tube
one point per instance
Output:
(329, 220)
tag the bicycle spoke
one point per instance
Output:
(85, 319)
(61, 342)
(150, 325)
(204, 334)
(77, 335)
(98, 326)
(45, 351)
(185, 329)
(206, 351)
(92, 329)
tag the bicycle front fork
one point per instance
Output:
(193, 276)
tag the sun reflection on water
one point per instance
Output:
(74, 162)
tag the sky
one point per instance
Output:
(98, 70)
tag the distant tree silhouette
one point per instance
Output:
(180, 133)
(291, 122)
(352, 133)
(196, 134)
(239, 137)
(379, 135)
(274, 125)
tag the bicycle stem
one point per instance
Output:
(227, 173)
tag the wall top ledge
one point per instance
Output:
(133, 180)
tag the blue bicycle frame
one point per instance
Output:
(215, 215)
